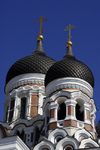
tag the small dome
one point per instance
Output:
(69, 66)
(37, 62)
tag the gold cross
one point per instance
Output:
(40, 20)
(69, 28)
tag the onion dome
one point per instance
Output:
(69, 66)
(98, 129)
(37, 62)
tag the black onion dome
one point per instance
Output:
(98, 129)
(69, 66)
(37, 62)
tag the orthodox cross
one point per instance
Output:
(69, 28)
(40, 20)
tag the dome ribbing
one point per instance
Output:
(69, 66)
(37, 62)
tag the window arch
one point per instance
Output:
(23, 107)
(61, 111)
(58, 138)
(80, 110)
(69, 147)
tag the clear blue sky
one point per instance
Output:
(18, 34)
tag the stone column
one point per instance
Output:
(70, 109)
(86, 117)
(93, 120)
(39, 95)
(14, 112)
(54, 109)
(8, 111)
(29, 106)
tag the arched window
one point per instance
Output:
(23, 106)
(62, 111)
(79, 113)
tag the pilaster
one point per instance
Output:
(70, 109)
(86, 118)
(29, 106)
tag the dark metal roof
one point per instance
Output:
(69, 66)
(37, 62)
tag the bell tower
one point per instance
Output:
(25, 93)
(69, 90)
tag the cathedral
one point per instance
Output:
(49, 104)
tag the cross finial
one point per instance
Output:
(40, 20)
(69, 28)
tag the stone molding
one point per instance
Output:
(67, 141)
(74, 83)
(57, 132)
(44, 145)
(23, 122)
(12, 143)
(27, 88)
(24, 79)
(71, 95)
(88, 143)
(82, 133)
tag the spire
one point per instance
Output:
(39, 47)
(69, 51)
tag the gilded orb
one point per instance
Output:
(69, 43)
(40, 37)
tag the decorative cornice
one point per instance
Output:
(74, 83)
(23, 122)
(28, 88)
(71, 95)
(29, 78)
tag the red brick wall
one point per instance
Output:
(52, 111)
(88, 114)
(88, 127)
(34, 111)
(70, 123)
(34, 99)
(52, 125)
(71, 110)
